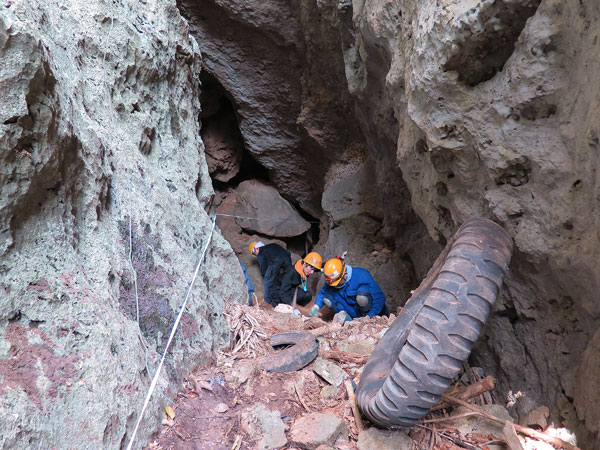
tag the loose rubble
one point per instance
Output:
(236, 404)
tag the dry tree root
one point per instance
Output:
(246, 332)
(355, 412)
(467, 392)
(556, 442)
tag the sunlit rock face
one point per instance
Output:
(102, 188)
(496, 114)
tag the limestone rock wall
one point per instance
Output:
(101, 172)
(415, 115)
(466, 108)
(283, 67)
(496, 115)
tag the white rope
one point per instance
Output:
(162, 359)
(262, 218)
(137, 299)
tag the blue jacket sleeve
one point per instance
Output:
(319, 299)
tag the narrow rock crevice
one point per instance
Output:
(223, 143)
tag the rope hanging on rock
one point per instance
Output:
(162, 359)
(262, 218)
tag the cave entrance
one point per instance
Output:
(228, 162)
(248, 206)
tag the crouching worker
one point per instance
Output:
(274, 262)
(293, 289)
(350, 289)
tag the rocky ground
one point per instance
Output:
(236, 404)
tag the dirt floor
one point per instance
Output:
(212, 407)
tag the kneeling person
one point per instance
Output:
(350, 289)
(274, 262)
(295, 281)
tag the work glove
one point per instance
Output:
(314, 310)
(341, 317)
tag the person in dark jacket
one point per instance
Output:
(274, 262)
(294, 283)
(350, 289)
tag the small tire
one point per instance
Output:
(416, 360)
(303, 351)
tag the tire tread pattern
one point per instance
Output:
(456, 307)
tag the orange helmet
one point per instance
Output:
(334, 271)
(314, 259)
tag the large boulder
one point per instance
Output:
(261, 209)
(102, 189)
(227, 209)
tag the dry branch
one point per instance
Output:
(465, 393)
(247, 333)
(344, 356)
(237, 443)
(300, 397)
(355, 411)
(325, 329)
(556, 442)
(510, 435)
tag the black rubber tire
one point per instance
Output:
(303, 351)
(416, 360)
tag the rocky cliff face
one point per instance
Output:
(102, 187)
(388, 121)
(282, 68)
(466, 108)
(496, 108)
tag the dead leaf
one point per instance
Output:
(170, 412)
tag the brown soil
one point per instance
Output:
(197, 422)
(210, 410)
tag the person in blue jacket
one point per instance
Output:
(350, 289)
(249, 283)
